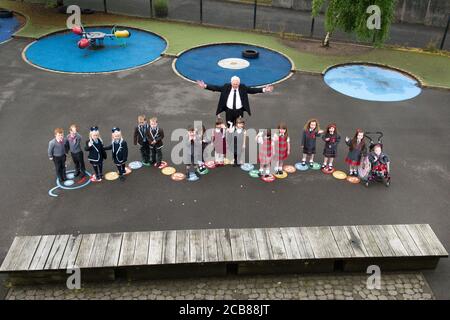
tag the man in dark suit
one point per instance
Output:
(234, 98)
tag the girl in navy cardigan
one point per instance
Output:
(310, 133)
(96, 154)
(119, 149)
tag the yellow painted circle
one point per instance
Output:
(227, 161)
(111, 176)
(281, 176)
(168, 171)
(340, 175)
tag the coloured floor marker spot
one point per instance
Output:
(111, 176)
(210, 164)
(147, 164)
(283, 175)
(227, 162)
(134, 165)
(327, 171)
(70, 176)
(289, 169)
(340, 175)
(128, 170)
(168, 171)
(203, 172)
(217, 63)
(371, 82)
(269, 178)
(301, 167)
(60, 52)
(353, 180)
(162, 165)
(69, 183)
(316, 166)
(254, 173)
(247, 167)
(178, 176)
(71, 186)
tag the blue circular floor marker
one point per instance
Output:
(217, 63)
(60, 52)
(373, 83)
(300, 167)
(8, 26)
(247, 166)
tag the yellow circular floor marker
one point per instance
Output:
(111, 176)
(340, 175)
(281, 176)
(168, 171)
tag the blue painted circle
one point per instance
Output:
(74, 186)
(8, 26)
(247, 167)
(60, 52)
(300, 167)
(372, 83)
(202, 64)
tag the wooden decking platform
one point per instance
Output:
(221, 251)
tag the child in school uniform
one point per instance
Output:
(96, 154)
(74, 145)
(119, 149)
(356, 150)
(282, 145)
(192, 152)
(236, 136)
(219, 141)
(156, 135)
(310, 133)
(264, 139)
(141, 136)
(57, 150)
(332, 139)
(204, 139)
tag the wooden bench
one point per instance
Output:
(206, 252)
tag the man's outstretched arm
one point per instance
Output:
(251, 90)
(210, 87)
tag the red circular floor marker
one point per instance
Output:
(270, 178)
(210, 164)
(326, 171)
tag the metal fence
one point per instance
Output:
(248, 15)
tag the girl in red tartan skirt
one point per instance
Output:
(219, 141)
(282, 147)
(357, 149)
(265, 152)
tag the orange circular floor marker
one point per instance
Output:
(353, 180)
(178, 176)
(289, 169)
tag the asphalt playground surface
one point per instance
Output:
(33, 102)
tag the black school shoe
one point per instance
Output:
(311, 164)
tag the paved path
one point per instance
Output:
(408, 286)
(33, 102)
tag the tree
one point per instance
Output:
(351, 16)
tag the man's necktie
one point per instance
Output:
(234, 99)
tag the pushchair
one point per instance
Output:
(377, 164)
